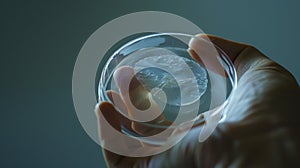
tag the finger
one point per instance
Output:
(132, 91)
(212, 119)
(206, 54)
(110, 122)
(139, 103)
(103, 114)
(207, 51)
(107, 113)
(132, 126)
(231, 48)
(117, 100)
(242, 55)
(135, 127)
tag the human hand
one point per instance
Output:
(261, 129)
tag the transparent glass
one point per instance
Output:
(160, 82)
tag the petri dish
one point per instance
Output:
(165, 82)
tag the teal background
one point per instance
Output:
(40, 41)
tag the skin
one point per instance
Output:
(262, 128)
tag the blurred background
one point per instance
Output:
(40, 41)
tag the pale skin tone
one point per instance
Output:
(262, 128)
